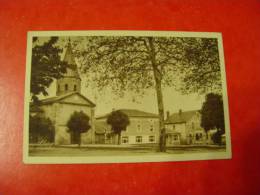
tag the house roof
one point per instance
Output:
(181, 117)
(61, 97)
(132, 113)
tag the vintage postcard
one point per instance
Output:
(125, 96)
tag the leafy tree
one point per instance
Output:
(200, 66)
(41, 129)
(139, 63)
(217, 137)
(118, 121)
(46, 66)
(212, 116)
(77, 124)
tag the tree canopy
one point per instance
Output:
(128, 63)
(77, 124)
(41, 129)
(200, 66)
(212, 115)
(118, 121)
(46, 66)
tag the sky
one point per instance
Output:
(106, 101)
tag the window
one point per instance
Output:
(173, 127)
(58, 87)
(151, 138)
(75, 87)
(125, 140)
(198, 136)
(151, 125)
(139, 126)
(192, 125)
(138, 139)
(66, 87)
(175, 137)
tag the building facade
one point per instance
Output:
(143, 129)
(68, 99)
(183, 128)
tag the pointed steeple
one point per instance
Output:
(70, 82)
(69, 56)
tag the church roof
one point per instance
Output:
(61, 97)
(133, 113)
(181, 117)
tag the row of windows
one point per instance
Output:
(66, 87)
(139, 127)
(175, 137)
(138, 139)
(173, 126)
(197, 136)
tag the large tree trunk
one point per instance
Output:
(119, 138)
(158, 87)
(79, 141)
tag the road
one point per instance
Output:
(91, 151)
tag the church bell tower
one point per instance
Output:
(70, 82)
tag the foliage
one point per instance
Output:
(40, 127)
(46, 66)
(217, 137)
(118, 121)
(212, 115)
(79, 122)
(200, 66)
(125, 63)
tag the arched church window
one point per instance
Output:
(75, 87)
(66, 87)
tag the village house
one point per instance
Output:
(143, 129)
(68, 99)
(183, 128)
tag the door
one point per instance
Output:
(75, 137)
(100, 138)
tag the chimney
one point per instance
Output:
(167, 114)
(180, 112)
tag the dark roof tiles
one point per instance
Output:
(58, 98)
(133, 113)
(181, 117)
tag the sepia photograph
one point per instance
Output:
(125, 96)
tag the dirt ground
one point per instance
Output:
(92, 151)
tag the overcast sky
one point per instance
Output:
(106, 100)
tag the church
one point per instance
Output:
(68, 99)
